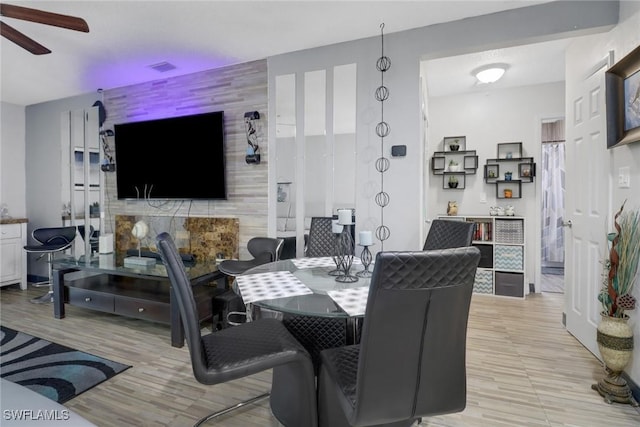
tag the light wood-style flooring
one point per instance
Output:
(523, 369)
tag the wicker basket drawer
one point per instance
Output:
(509, 258)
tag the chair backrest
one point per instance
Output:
(93, 236)
(58, 236)
(412, 350)
(267, 249)
(81, 231)
(321, 238)
(185, 300)
(445, 234)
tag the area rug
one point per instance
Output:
(52, 370)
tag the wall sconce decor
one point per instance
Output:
(253, 150)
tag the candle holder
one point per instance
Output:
(337, 259)
(345, 253)
(366, 259)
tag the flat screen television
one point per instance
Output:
(178, 158)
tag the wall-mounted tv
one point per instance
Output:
(178, 158)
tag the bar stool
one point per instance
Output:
(52, 240)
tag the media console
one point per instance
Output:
(143, 293)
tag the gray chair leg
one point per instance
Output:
(230, 409)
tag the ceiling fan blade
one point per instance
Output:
(21, 40)
(42, 17)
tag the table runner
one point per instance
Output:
(352, 300)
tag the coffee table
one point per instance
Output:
(104, 283)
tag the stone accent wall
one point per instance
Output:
(235, 90)
(201, 237)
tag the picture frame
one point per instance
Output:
(622, 86)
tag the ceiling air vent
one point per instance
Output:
(163, 67)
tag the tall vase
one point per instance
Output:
(615, 342)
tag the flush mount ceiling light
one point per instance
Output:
(490, 73)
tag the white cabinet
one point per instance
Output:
(13, 267)
(502, 247)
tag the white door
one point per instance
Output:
(587, 194)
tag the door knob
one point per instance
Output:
(567, 224)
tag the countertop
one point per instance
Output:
(13, 220)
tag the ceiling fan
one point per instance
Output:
(41, 17)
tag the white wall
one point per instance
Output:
(486, 119)
(43, 168)
(12, 159)
(403, 181)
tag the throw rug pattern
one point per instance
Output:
(52, 370)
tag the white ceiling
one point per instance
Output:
(126, 37)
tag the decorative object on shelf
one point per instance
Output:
(614, 335)
(510, 150)
(454, 166)
(94, 209)
(508, 176)
(283, 191)
(253, 150)
(492, 174)
(4, 211)
(452, 208)
(453, 181)
(508, 193)
(455, 143)
(509, 210)
(623, 100)
(140, 230)
(346, 247)
(493, 210)
(366, 240)
(382, 130)
(500, 211)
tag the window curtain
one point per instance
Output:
(553, 185)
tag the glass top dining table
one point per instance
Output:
(323, 296)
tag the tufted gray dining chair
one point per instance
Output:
(410, 362)
(445, 233)
(245, 350)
